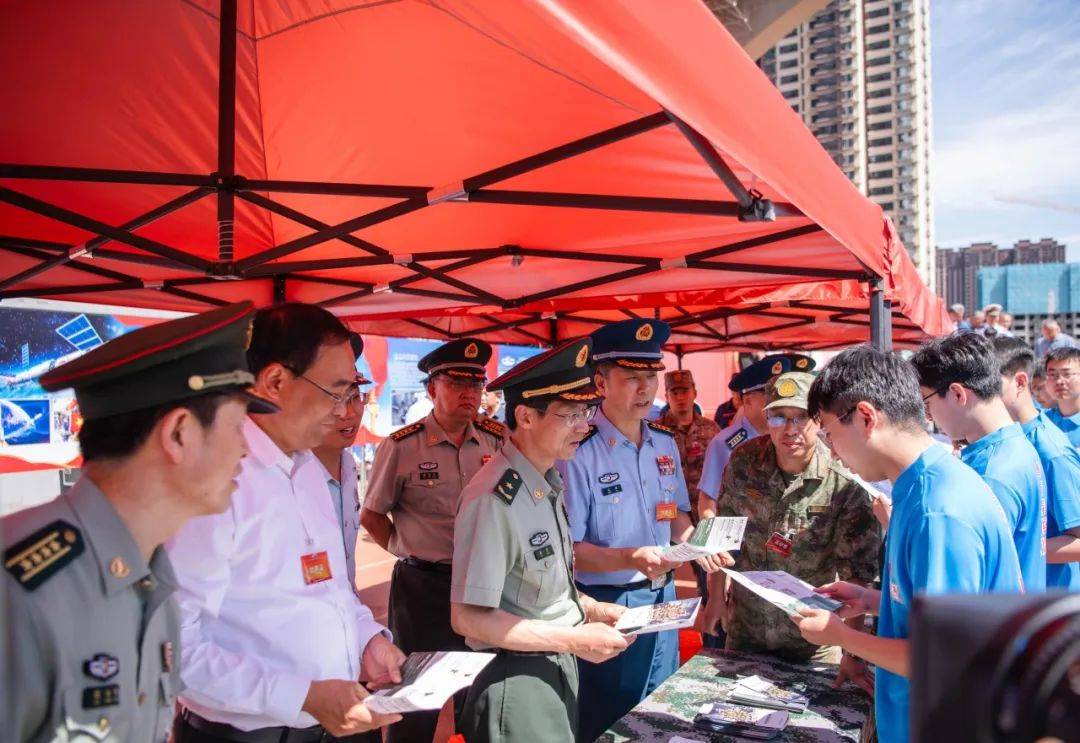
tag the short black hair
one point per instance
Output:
(512, 400)
(962, 358)
(291, 334)
(1064, 353)
(864, 373)
(119, 436)
(1014, 355)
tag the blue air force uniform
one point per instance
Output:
(614, 489)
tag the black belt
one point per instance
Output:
(224, 731)
(431, 567)
(627, 586)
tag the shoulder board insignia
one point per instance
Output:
(409, 430)
(507, 486)
(660, 427)
(592, 432)
(493, 427)
(736, 438)
(34, 560)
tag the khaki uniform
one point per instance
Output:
(417, 479)
(692, 440)
(831, 524)
(92, 652)
(513, 551)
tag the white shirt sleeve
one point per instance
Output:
(215, 676)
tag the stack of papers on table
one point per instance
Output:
(783, 590)
(746, 722)
(710, 536)
(758, 692)
(428, 680)
(642, 620)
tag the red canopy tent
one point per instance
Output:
(519, 169)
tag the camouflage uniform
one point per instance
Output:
(692, 441)
(833, 529)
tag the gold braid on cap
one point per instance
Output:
(638, 364)
(555, 389)
(199, 382)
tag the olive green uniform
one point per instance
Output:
(513, 551)
(417, 479)
(826, 514)
(92, 647)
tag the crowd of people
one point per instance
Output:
(200, 578)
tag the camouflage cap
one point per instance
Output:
(790, 390)
(677, 378)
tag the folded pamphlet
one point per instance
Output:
(642, 620)
(428, 680)
(710, 536)
(783, 590)
(760, 692)
(747, 722)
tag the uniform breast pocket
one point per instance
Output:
(95, 713)
(168, 687)
(539, 577)
(430, 495)
(609, 513)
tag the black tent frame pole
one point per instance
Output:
(226, 206)
(880, 317)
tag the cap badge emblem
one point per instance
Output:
(644, 333)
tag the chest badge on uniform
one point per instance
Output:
(736, 438)
(94, 697)
(544, 552)
(428, 466)
(666, 464)
(611, 490)
(609, 477)
(539, 539)
(484, 459)
(101, 667)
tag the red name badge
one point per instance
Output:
(316, 567)
(665, 511)
(779, 544)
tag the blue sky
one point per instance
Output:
(1006, 119)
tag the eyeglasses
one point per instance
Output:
(823, 435)
(354, 396)
(1056, 375)
(779, 421)
(938, 391)
(572, 419)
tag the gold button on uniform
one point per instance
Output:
(119, 568)
(141, 699)
(103, 724)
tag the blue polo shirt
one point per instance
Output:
(613, 487)
(1061, 464)
(1070, 425)
(947, 534)
(1011, 467)
(718, 453)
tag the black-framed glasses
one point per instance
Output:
(823, 435)
(572, 419)
(938, 391)
(779, 421)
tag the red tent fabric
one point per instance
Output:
(520, 168)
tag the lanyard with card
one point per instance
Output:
(314, 566)
(782, 543)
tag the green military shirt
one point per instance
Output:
(417, 478)
(832, 526)
(692, 440)
(512, 545)
(92, 652)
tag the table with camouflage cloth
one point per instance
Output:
(833, 715)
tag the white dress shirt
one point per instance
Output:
(253, 634)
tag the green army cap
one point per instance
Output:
(790, 390)
(678, 379)
(560, 373)
(165, 363)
